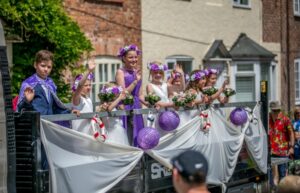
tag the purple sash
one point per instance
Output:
(34, 80)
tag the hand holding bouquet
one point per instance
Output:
(128, 99)
(190, 96)
(229, 92)
(179, 99)
(209, 91)
(109, 94)
(152, 98)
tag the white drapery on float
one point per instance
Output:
(79, 164)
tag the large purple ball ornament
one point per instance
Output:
(148, 138)
(168, 120)
(238, 116)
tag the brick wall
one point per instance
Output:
(271, 20)
(109, 24)
(276, 28)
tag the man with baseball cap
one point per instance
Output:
(189, 172)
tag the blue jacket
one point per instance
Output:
(41, 104)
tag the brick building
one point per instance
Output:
(281, 24)
(109, 24)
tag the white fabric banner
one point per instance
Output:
(257, 141)
(78, 163)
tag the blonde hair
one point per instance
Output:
(161, 71)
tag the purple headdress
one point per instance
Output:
(197, 76)
(125, 49)
(78, 78)
(176, 75)
(156, 67)
(206, 72)
(212, 71)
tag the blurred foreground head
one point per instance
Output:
(289, 184)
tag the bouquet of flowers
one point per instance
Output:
(179, 99)
(229, 92)
(190, 96)
(152, 98)
(128, 100)
(108, 94)
(209, 91)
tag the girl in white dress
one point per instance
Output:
(196, 84)
(176, 82)
(157, 86)
(116, 133)
(81, 100)
(211, 80)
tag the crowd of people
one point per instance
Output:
(38, 93)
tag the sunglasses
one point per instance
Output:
(276, 110)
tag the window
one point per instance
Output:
(241, 3)
(246, 77)
(245, 88)
(105, 71)
(297, 81)
(297, 7)
(185, 61)
(245, 82)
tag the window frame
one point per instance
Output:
(178, 58)
(297, 75)
(110, 62)
(255, 73)
(296, 12)
(238, 4)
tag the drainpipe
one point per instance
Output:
(288, 56)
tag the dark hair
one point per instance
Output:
(43, 55)
(198, 178)
(193, 84)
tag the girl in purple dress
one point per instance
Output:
(130, 78)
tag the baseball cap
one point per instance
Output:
(190, 163)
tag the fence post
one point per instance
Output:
(8, 115)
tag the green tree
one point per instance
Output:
(42, 24)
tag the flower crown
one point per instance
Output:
(111, 90)
(212, 71)
(124, 50)
(157, 67)
(197, 76)
(176, 75)
(78, 78)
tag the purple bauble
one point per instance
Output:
(148, 138)
(168, 120)
(238, 116)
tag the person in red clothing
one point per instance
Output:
(281, 138)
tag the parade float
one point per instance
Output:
(231, 136)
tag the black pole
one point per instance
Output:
(265, 117)
(264, 103)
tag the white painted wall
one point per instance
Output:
(176, 27)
